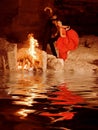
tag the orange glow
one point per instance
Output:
(33, 44)
(29, 56)
(23, 113)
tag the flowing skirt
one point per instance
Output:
(68, 43)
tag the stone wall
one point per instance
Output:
(29, 19)
(20, 17)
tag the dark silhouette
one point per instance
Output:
(50, 32)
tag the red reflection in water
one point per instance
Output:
(63, 97)
(61, 115)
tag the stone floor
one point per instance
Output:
(84, 59)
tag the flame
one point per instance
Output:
(29, 56)
(33, 44)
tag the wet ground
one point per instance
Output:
(49, 101)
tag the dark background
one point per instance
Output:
(20, 17)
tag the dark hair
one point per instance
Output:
(48, 11)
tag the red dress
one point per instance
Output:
(65, 44)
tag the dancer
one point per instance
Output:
(51, 32)
(67, 41)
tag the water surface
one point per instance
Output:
(52, 101)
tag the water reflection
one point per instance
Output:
(48, 101)
(64, 101)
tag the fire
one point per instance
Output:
(33, 44)
(30, 57)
